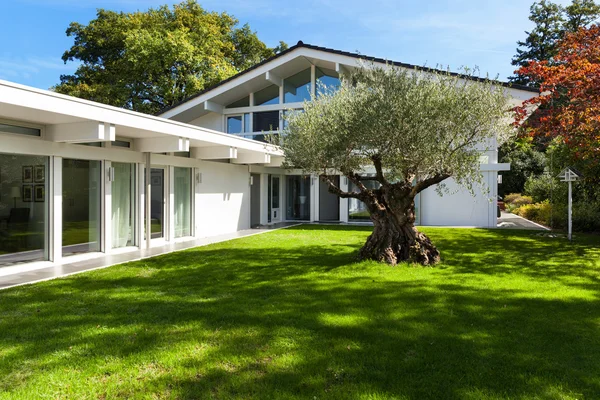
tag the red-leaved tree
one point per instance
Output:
(569, 104)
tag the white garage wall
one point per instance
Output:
(222, 199)
(460, 208)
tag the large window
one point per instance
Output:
(298, 197)
(183, 202)
(81, 206)
(357, 210)
(239, 123)
(245, 102)
(297, 87)
(327, 80)
(268, 95)
(266, 121)
(23, 208)
(122, 204)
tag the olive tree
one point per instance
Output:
(412, 129)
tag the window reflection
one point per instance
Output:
(327, 80)
(297, 87)
(268, 95)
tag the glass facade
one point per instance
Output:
(326, 80)
(234, 124)
(20, 130)
(298, 197)
(268, 95)
(357, 210)
(81, 192)
(157, 205)
(23, 208)
(183, 202)
(123, 204)
(266, 121)
(297, 88)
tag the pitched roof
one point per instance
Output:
(301, 44)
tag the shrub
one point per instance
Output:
(538, 212)
(586, 216)
(517, 200)
(509, 198)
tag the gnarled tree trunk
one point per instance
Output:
(395, 238)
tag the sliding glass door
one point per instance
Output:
(298, 197)
(81, 206)
(123, 204)
(23, 208)
(183, 202)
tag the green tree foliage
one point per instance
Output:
(551, 22)
(146, 61)
(414, 129)
(525, 162)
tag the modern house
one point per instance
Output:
(82, 177)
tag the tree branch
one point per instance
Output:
(424, 184)
(376, 158)
(333, 188)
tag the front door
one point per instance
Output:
(274, 198)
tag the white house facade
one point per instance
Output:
(78, 177)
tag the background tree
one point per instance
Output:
(146, 61)
(414, 130)
(551, 21)
(570, 94)
(525, 162)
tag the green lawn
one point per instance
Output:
(289, 314)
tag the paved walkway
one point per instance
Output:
(512, 221)
(20, 275)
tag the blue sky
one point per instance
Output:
(453, 33)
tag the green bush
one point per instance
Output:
(538, 212)
(517, 200)
(509, 198)
(586, 216)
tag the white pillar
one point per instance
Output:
(56, 214)
(170, 234)
(264, 199)
(570, 212)
(148, 200)
(106, 214)
(313, 191)
(317, 191)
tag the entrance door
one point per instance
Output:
(255, 200)
(329, 203)
(298, 197)
(274, 199)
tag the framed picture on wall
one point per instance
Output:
(27, 193)
(39, 174)
(39, 193)
(27, 174)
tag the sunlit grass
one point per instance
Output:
(290, 314)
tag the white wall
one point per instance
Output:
(222, 199)
(459, 208)
(210, 121)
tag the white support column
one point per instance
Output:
(148, 200)
(56, 214)
(170, 234)
(140, 206)
(196, 182)
(344, 202)
(106, 215)
(313, 80)
(264, 199)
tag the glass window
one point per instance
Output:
(183, 202)
(327, 80)
(157, 202)
(122, 204)
(247, 123)
(20, 130)
(357, 210)
(23, 208)
(121, 143)
(91, 144)
(296, 88)
(268, 95)
(234, 124)
(245, 102)
(266, 121)
(81, 206)
(298, 197)
(185, 154)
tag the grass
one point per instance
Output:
(289, 314)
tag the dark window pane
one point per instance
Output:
(245, 102)
(121, 143)
(234, 124)
(19, 130)
(23, 208)
(298, 197)
(297, 87)
(327, 80)
(266, 121)
(268, 95)
(357, 210)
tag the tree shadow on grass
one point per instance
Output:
(246, 319)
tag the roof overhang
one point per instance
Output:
(73, 120)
